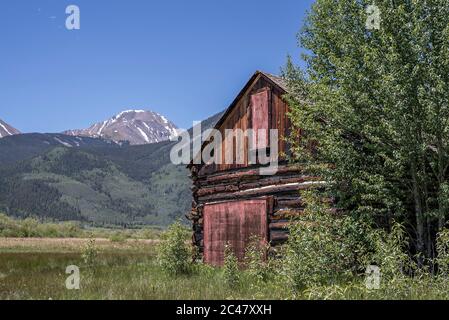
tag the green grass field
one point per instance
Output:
(35, 269)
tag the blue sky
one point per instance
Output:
(184, 59)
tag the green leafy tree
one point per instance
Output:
(373, 105)
(174, 254)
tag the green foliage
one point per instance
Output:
(443, 253)
(231, 271)
(372, 106)
(174, 254)
(390, 253)
(32, 228)
(258, 263)
(122, 271)
(90, 253)
(323, 249)
(118, 237)
(325, 257)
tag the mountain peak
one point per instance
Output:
(136, 126)
(7, 130)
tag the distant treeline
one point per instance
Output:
(33, 228)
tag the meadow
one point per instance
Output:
(34, 269)
(319, 262)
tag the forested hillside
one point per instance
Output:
(92, 180)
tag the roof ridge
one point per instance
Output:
(281, 82)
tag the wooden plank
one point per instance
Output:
(250, 172)
(283, 225)
(269, 190)
(286, 214)
(278, 236)
(234, 223)
(260, 121)
(292, 203)
(267, 181)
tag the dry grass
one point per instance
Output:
(69, 244)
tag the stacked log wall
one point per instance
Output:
(283, 189)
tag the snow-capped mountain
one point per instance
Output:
(136, 126)
(7, 130)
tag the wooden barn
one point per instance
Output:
(234, 202)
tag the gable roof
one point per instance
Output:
(275, 80)
(282, 83)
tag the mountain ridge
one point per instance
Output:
(134, 126)
(7, 130)
(58, 177)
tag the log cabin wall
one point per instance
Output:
(228, 193)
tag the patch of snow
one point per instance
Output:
(6, 130)
(63, 143)
(164, 119)
(118, 116)
(144, 135)
(146, 125)
(102, 127)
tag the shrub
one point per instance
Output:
(323, 249)
(231, 270)
(390, 252)
(443, 252)
(90, 253)
(257, 261)
(118, 237)
(31, 227)
(8, 226)
(173, 252)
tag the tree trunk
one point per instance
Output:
(420, 247)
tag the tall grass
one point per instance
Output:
(316, 263)
(135, 273)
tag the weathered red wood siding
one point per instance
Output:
(265, 97)
(259, 109)
(233, 223)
